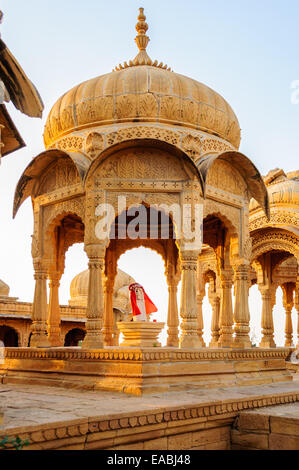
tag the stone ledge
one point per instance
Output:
(204, 424)
(146, 354)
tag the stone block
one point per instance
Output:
(136, 446)
(281, 425)
(250, 440)
(156, 444)
(99, 444)
(221, 445)
(210, 435)
(136, 435)
(180, 441)
(253, 421)
(283, 442)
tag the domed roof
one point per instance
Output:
(142, 91)
(283, 188)
(4, 289)
(79, 290)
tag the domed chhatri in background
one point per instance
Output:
(121, 298)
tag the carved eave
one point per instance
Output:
(10, 137)
(38, 165)
(21, 90)
(255, 183)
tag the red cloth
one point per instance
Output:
(150, 307)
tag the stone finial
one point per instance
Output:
(142, 41)
(141, 27)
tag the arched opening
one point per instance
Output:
(276, 273)
(148, 269)
(143, 228)
(218, 235)
(65, 231)
(9, 336)
(76, 262)
(74, 337)
(255, 307)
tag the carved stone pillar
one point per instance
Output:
(241, 312)
(173, 314)
(188, 311)
(116, 334)
(172, 276)
(54, 330)
(39, 338)
(226, 309)
(95, 305)
(200, 325)
(215, 304)
(267, 317)
(288, 303)
(108, 328)
(111, 271)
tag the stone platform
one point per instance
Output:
(144, 370)
(56, 418)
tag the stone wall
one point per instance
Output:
(272, 428)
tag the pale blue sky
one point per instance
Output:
(247, 50)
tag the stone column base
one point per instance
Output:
(191, 342)
(140, 334)
(267, 343)
(93, 342)
(39, 341)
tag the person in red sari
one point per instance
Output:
(142, 306)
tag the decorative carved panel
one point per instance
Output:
(60, 174)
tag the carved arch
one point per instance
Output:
(27, 183)
(279, 241)
(55, 249)
(169, 148)
(255, 183)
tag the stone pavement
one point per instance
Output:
(59, 418)
(30, 405)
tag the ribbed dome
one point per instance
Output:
(142, 91)
(282, 188)
(79, 290)
(142, 94)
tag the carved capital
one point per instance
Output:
(96, 253)
(242, 272)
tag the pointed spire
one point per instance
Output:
(142, 41)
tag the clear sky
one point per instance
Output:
(247, 50)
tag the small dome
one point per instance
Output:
(4, 289)
(282, 188)
(79, 291)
